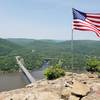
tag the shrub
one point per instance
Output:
(93, 64)
(54, 72)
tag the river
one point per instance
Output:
(10, 81)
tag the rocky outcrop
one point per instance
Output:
(76, 87)
(80, 89)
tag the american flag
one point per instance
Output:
(86, 21)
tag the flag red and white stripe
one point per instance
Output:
(91, 22)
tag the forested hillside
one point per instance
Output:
(35, 52)
(6, 47)
(7, 60)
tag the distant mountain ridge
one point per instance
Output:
(80, 46)
(24, 41)
(20, 41)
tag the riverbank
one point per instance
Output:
(84, 86)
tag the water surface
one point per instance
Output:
(10, 81)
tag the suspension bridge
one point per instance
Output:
(20, 62)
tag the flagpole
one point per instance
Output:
(72, 51)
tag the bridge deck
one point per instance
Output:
(29, 76)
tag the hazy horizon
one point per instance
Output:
(50, 39)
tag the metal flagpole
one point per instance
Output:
(72, 51)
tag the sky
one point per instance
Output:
(43, 19)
